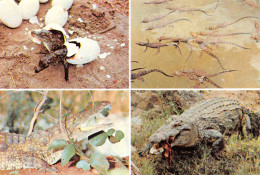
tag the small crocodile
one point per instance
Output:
(186, 9)
(147, 20)
(18, 151)
(145, 72)
(54, 57)
(205, 122)
(166, 23)
(52, 39)
(156, 45)
(251, 3)
(222, 25)
(199, 76)
(156, 2)
(214, 34)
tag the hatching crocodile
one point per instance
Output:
(205, 122)
(54, 41)
(222, 25)
(18, 151)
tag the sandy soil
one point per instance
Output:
(19, 55)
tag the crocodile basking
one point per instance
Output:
(205, 122)
(18, 151)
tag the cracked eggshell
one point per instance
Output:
(56, 14)
(54, 26)
(82, 50)
(66, 4)
(10, 14)
(29, 8)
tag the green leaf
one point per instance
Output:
(119, 135)
(105, 112)
(83, 165)
(67, 154)
(99, 139)
(112, 139)
(99, 162)
(14, 172)
(111, 131)
(58, 143)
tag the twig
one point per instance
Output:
(36, 111)
(92, 99)
(61, 128)
(12, 78)
(107, 29)
(115, 84)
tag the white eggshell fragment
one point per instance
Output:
(29, 8)
(43, 1)
(57, 15)
(82, 50)
(10, 13)
(66, 4)
(34, 20)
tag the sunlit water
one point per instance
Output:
(169, 60)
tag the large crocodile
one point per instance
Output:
(19, 151)
(206, 122)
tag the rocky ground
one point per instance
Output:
(19, 55)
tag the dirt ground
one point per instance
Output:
(19, 55)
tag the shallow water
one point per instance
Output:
(169, 60)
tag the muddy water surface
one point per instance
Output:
(169, 60)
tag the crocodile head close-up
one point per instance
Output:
(178, 133)
(52, 39)
(84, 124)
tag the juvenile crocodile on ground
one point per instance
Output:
(18, 151)
(205, 122)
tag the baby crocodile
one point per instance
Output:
(186, 9)
(145, 72)
(166, 23)
(251, 3)
(214, 34)
(156, 45)
(222, 25)
(52, 39)
(156, 2)
(200, 76)
(147, 20)
(205, 122)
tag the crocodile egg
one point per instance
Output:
(10, 13)
(29, 8)
(56, 14)
(82, 50)
(64, 3)
(43, 1)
